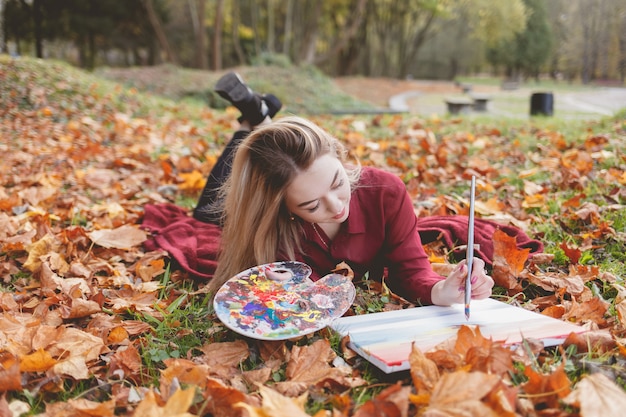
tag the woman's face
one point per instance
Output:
(321, 194)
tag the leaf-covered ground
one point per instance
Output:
(92, 324)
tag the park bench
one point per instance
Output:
(480, 102)
(458, 105)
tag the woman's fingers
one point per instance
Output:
(482, 284)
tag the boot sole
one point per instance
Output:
(232, 88)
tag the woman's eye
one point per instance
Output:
(311, 210)
(338, 185)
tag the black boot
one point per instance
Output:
(253, 107)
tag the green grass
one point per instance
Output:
(303, 90)
(182, 328)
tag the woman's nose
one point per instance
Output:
(334, 204)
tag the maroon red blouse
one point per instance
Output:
(380, 233)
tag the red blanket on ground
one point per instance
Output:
(194, 244)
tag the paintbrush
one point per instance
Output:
(469, 255)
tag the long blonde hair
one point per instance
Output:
(257, 224)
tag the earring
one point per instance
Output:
(291, 217)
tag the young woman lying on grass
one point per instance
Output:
(291, 195)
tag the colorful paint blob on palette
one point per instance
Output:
(278, 301)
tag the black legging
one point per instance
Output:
(206, 210)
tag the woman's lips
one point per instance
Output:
(340, 215)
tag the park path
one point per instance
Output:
(601, 102)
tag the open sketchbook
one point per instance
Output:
(385, 339)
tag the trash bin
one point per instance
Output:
(541, 104)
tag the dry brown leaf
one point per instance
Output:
(79, 307)
(176, 406)
(573, 285)
(92, 408)
(273, 351)
(378, 408)
(123, 237)
(599, 341)
(7, 302)
(534, 201)
(597, 396)
(391, 402)
(42, 247)
(75, 342)
(148, 269)
(135, 302)
(593, 310)
(225, 401)
(257, 376)
(127, 361)
(461, 393)
(344, 269)
(183, 371)
(310, 364)
(424, 372)
(10, 375)
(225, 354)
(74, 366)
(276, 405)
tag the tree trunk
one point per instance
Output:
(346, 33)
(217, 36)
(622, 48)
(236, 40)
(91, 50)
(288, 28)
(310, 38)
(414, 44)
(254, 15)
(2, 40)
(197, 9)
(157, 26)
(271, 26)
(37, 24)
(585, 54)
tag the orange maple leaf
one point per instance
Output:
(38, 361)
(547, 389)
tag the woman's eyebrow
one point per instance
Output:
(315, 199)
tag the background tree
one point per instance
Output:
(345, 25)
(197, 11)
(394, 38)
(621, 35)
(2, 28)
(157, 26)
(459, 42)
(217, 35)
(528, 51)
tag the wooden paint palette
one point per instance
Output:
(278, 301)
